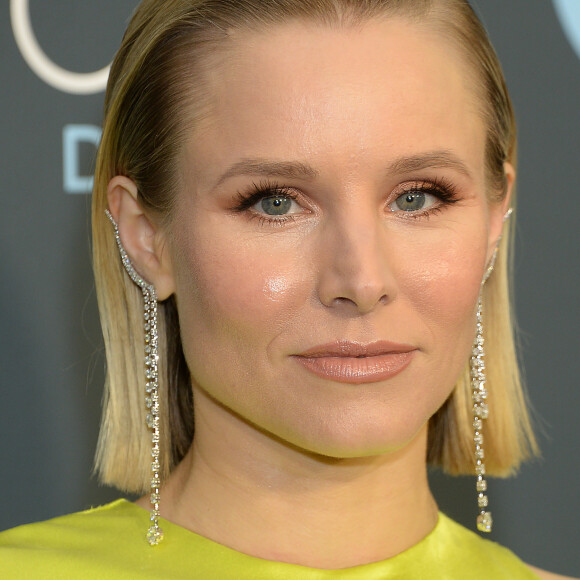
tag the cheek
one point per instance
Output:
(233, 290)
(444, 294)
(448, 283)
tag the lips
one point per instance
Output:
(356, 363)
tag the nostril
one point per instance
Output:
(343, 300)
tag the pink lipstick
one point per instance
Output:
(356, 363)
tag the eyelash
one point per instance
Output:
(441, 188)
(258, 191)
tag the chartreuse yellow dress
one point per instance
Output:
(109, 543)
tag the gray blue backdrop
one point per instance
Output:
(51, 361)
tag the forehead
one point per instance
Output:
(305, 90)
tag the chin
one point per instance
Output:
(361, 439)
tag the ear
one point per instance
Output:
(142, 239)
(498, 212)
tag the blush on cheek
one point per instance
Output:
(230, 286)
(448, 285)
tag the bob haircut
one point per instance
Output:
(154, 98)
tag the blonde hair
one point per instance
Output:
(154, 97)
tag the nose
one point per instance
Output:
(355, 273)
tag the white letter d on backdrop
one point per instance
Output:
(72, 137)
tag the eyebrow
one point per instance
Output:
(432, 160)
(300, 170)
(266, 168)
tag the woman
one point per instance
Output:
(308, 198)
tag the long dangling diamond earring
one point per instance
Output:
(155, 533)
(480, 413)
(479, 399)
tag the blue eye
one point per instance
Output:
(275, 205)
(413, 201)
(278, 205)
(269, 202)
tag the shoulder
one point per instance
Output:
(73, 545)
(469, 552)
(110, 542)
(78, 528)
(486, 554)
(549, 575)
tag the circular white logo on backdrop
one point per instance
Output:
(52, 74)
(568, 12)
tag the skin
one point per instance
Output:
(285, 464)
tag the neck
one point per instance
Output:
(246, 490)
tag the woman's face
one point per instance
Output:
(331, 234)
